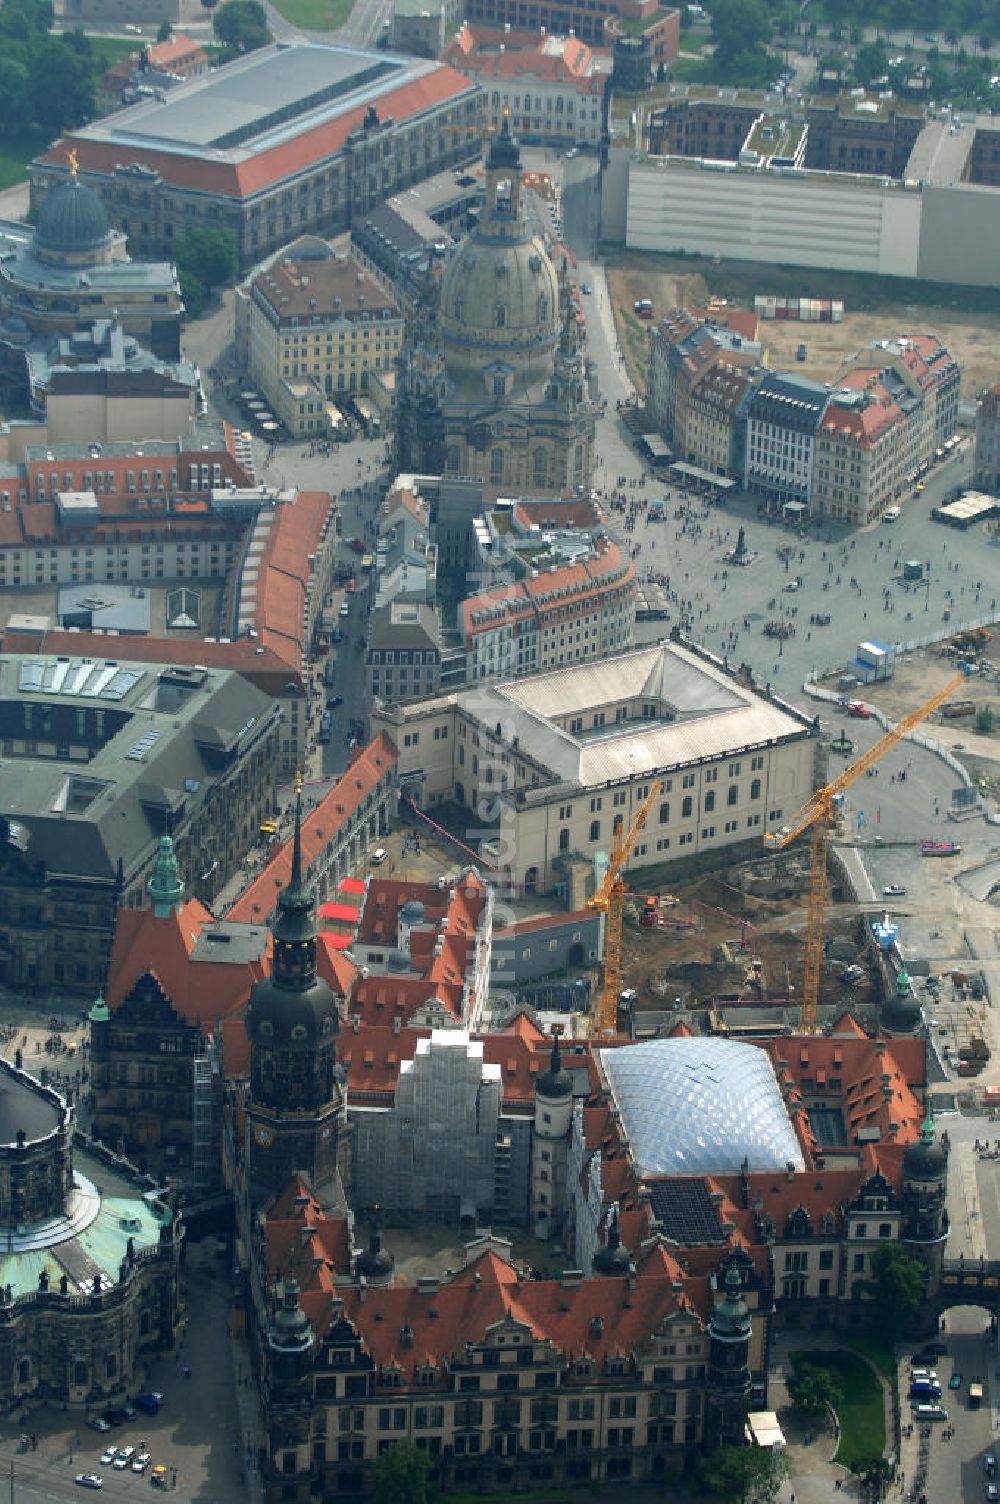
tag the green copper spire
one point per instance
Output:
(165, 886)
(927, 1126)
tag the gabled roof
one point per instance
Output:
(201, 991)
(373, 764)
(597, 1318)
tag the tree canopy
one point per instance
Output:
(897, 1289)
(241, 25)
(749, 1475)
(741, 30)
(402, 1475)
(46, 81)
(812, 1389)
(206, 258)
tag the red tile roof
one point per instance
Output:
(202, 992)
(598, 1318)
(374, 764)
(262, 169)
(176, 50)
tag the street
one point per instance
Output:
(203, 1430)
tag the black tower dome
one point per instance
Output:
(926, 1159)
(613, 1258)
(294, 1008)
(72, 220)
(555, 1082)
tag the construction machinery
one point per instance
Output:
(819, 815)
(610, 900)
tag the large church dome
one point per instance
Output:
(500, 313)
(72, 220)
(501, 294)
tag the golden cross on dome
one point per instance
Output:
(74, 161)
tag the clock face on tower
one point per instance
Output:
(263, 1136)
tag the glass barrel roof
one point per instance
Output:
(700, 1106)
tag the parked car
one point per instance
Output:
(149, 1403)
(89, 1480)
(140, 1463)
(108, 1455)
(930, 1352)
(344, 610)
(124, 1457)
(378, 856)
(894, 890)
(98, 1423)
(333, 701)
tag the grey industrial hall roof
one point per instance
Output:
(261, 99)
(701, 1106)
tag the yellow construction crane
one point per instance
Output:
(609, 900)
(819, 815)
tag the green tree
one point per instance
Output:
(871, 61)
(241, 25)
(164, 32)
(402, 1475)
(896, 1288)
(14, 91)
(192, 291)
(749, 1475)
(875, 1475)
(984, 715)
(741, 30)
(62, 85)
(812, 1389)
(209, 256)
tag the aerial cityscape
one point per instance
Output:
(500, 779)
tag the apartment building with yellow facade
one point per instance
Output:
(314, 328)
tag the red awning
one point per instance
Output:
(335, 942)
(351, 885)
(345, 911)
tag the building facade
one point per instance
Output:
(550, 87)
(75, 269)
(550, 767)
(562, 614)
(783, 416)
(167, 164)
(986, 464)
(313, 328)
(859, 463)
(91, 786)
(91, 1284)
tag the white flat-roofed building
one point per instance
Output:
(550, 766)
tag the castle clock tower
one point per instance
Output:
(296, 1105)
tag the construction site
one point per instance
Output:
(726, 952)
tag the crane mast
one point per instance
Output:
(817, 816)
(610, 900)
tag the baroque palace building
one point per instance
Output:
(495, 384)
(698, 1207)
(90, 1283)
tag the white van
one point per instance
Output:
(378, 856)
(929, 1412)
(890, 514)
